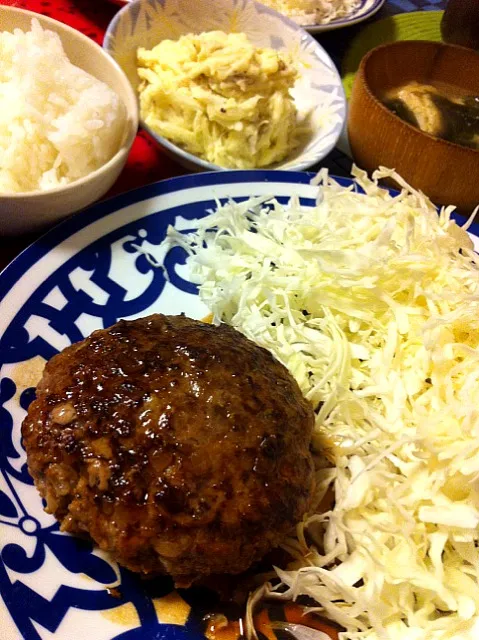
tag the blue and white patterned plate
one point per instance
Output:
(84, 275)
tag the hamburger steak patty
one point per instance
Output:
(179, 446)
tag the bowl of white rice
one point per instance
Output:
(68, 118)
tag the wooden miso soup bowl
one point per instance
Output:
(446, 172)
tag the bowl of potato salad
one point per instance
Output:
(219, 90)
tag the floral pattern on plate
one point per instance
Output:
(319, 92)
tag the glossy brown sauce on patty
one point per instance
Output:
(179, 446)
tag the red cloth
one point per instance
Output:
(146, 162)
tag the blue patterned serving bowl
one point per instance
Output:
(145, 23)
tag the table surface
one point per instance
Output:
(147, 162)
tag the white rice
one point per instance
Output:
(57, 122)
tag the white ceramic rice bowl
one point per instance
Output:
(34, 210)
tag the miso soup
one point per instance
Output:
(440, 109)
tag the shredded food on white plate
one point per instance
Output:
(371, 300)
(310, 12)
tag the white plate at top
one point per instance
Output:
(366, 9)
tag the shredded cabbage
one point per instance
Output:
(372, 302)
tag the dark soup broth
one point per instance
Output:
(438, 108)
